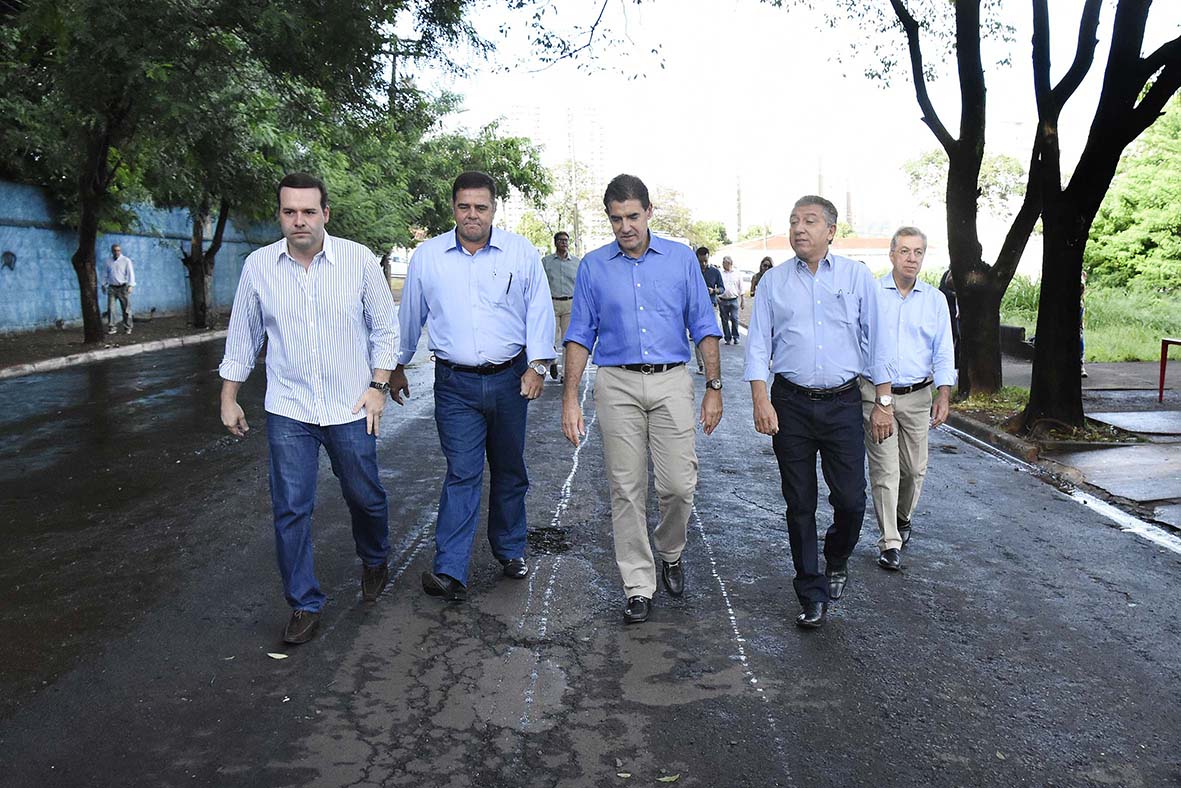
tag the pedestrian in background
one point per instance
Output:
(918, 328)
(483, 296)
(730, 300)
(326, 313)
(635, 300)
(118, 282)
(806, 330)
(560, 269)
(764, 266)
(713, 286)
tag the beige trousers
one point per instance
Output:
(561, 323)
(635, 412)
(898, 465)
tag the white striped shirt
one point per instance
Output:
(327, 329)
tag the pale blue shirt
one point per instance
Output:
(478, 309)
(119, 271)
(326, 329)
(919, 327)
(809, 328)
(560, 274)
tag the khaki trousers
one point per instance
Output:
(561, 323)
(897, 466)
(635, 412)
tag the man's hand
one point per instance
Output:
(531, 384)
(398, 384)
(711, 410)
(766, 419)
(941, 406)
(881, 423)
(234, 418)
(373, 401)
(572, 425)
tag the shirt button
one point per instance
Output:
(637, 284)
(644, 330)
(818, 323)
(641, 309)
(645, 352)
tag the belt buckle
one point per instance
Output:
(817, 396)
(647, 369)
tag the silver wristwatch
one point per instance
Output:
(539, 368)
(885, 400)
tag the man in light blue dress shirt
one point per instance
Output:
(918, 323)
(483, 296)
(326, 313)
(634, 301)
(806, 330)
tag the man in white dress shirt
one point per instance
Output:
(919, 329)
(118, 282)
(730, 300)
(326, 313)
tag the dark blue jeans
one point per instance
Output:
(478, 416)
(295, 451)
(728, 307)
(834, 428)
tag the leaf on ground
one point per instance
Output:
(672, 778)
(624, 775)
(274, 655)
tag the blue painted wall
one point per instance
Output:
(42, 287)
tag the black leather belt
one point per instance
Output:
(483, 369)
(908, 389)
(818, 394)
(561, 298)
(651, 369)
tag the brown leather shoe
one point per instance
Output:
(302, 627)
(374, 580)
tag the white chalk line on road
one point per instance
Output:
(740, 641)
(1127, 523)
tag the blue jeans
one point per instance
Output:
(728, 307)
(295, 450)
(834, 428)
(478, 416)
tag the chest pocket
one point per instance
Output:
(847, 309)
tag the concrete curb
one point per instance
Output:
(1013, 446)
(91, 356)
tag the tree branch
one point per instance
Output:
(930, 117)
(590, 38)
(1026, 219)
(223, 216)
(1042, 92)
(1084, 56)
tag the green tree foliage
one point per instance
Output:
(708, 233)
(754, 232)
(1136, 237)
(1001, 180)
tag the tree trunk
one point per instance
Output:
(200, 262)
(980, 334)
(84, 267)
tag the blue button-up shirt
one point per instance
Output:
(480, 308)
(327, 329)
(809, 328)
(919, 328)
(639, 309)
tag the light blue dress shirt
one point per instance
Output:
(327, 329)
(478, 309)
(639, 309)
(809, 328)
(919, 328)
(560, 274)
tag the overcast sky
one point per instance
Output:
(756, 94)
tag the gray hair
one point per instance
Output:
(728, 259)
(829, 210)
(906, 230)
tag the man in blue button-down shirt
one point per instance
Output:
(806, 330)
(634, 301)
(326, 313)
(484, 298)
(919, 327)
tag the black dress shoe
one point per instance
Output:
(302, 627)
(445, 586)
(673, 577)
(904, 532)
(837, 578)
(516, 568)
(374, 580)
(890, 559)
(812, 616)
(637, 610)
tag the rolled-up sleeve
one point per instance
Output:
(758, 339)
(378, 305)
(699, 311)
(539, 311)
(584, 312)
(411, 311)
(882, 361)
(245, 334)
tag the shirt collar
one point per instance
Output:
(888, 282)
(656, 244)
(826, 259)
(493, 243)
(328, 252)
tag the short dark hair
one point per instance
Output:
(561, 234)
(473, 179)
(702, 250)
(301, 180)
(829, 210)
(626, 187)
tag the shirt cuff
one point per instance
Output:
(881, 373)
(234, 370)
(403, 358)
(384, 359)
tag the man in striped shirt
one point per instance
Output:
(326, 313)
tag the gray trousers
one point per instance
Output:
(122, 294)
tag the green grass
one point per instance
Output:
(1120, 325)
(1008, 400)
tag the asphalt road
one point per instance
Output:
(1026, 642)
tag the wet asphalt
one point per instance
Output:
(1027, 640)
